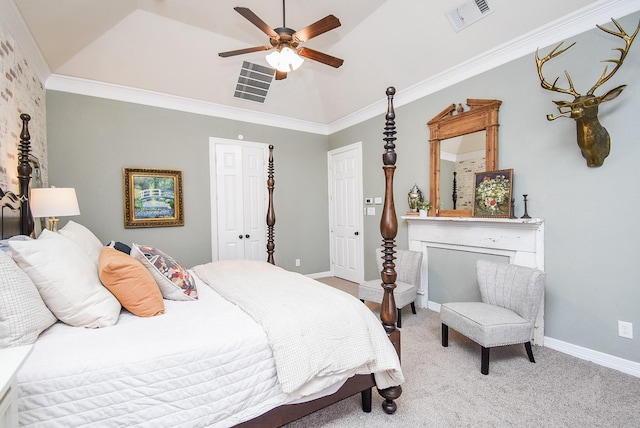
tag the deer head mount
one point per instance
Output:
(593, 138)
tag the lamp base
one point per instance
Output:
(52, 224)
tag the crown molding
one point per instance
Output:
(111, 91)
(582, 20)
(570, 25)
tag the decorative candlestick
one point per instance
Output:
(526, 214)
(513, 211)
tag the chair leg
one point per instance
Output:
(445, 335)
(527, 346)
(413, 307)
(399, 318)
(484, 367)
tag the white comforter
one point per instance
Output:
(315, 331)
(203, 363)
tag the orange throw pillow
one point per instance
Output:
(130, 282)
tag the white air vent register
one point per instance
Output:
(468, 13)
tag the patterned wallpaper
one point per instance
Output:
(20, 92)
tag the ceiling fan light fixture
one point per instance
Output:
(285, 60)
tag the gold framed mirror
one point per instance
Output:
(455, 123)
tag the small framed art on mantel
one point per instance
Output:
(492, 194)
(152, 197)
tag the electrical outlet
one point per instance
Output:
(297, 262)
(625, 329)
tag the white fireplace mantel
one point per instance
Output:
(522, 240)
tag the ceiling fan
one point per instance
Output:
(286, 41)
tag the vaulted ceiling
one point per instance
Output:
(171, 46)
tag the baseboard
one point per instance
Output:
(600, 358)
(319, 275)
(597, 357)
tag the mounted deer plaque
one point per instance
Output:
(593, 138)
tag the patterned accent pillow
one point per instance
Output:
(175, 282)
(23, 314)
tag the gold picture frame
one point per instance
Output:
(152, 197)
(492, 194)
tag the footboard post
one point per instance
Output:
(271, 214)
(389, 230)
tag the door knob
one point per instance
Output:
(240, 236)
(247, 236)
(356, 233)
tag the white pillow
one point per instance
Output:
(67, 280)
(23, 314)
(175, 281)
(84, 238)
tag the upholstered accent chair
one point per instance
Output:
(511, 296)
(408, 264)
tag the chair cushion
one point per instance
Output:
(372, 291)
(485, 324)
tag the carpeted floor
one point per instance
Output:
(444, 387)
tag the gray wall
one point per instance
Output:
(90, 140)
(592, 237)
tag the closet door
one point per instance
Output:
(240, 202)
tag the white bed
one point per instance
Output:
(202, 363)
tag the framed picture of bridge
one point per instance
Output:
(152, 197)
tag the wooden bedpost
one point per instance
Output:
(271, 214)
(24, 176)
(388, 230)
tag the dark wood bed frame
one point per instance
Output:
(362, 384)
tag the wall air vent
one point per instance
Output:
(468, 13)
(254, 82)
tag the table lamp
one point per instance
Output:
(52, 202)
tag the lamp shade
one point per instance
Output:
(54, 202)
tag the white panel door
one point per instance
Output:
(240, 222)
(255, 211)
(345, 193)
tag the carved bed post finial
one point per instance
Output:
(271, 214)
(388, 230)
(24, 175)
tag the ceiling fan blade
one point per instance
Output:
(253, 18)
(327, 23)
(244, 51)
(281, 75)
(320, 57)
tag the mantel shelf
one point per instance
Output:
(532, 221)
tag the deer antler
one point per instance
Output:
(623, 53)
(552, 87)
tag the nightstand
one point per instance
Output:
(11, 359)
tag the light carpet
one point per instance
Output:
(444, 386)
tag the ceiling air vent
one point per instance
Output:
(254, 82)
(468, 13)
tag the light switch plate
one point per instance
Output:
(379, 200)
(371, 210)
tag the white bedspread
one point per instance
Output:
(203, 363)
(314, 330)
